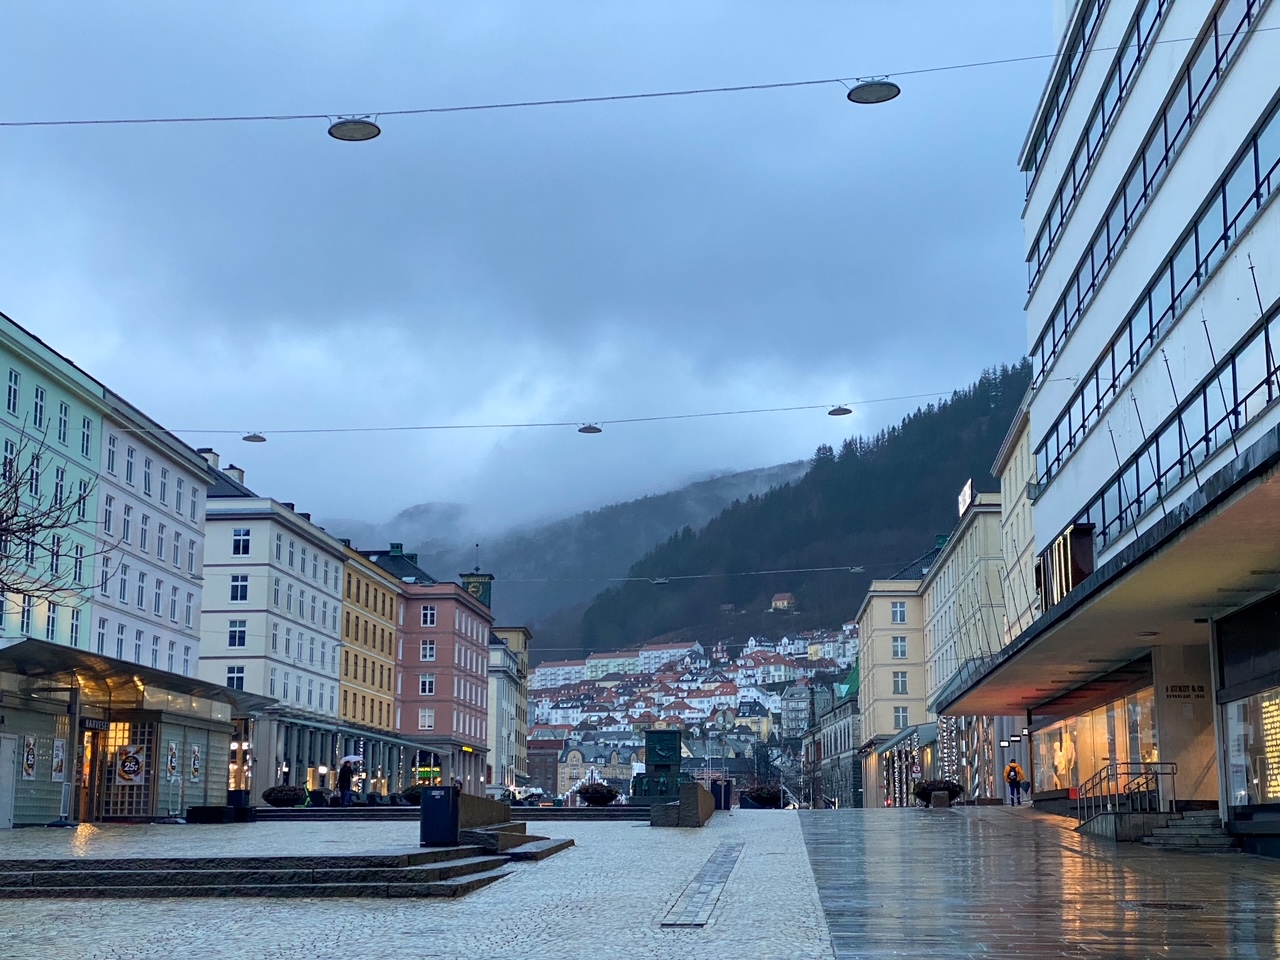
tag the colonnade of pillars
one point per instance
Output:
(295, 753)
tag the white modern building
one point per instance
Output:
(1153, 243)
(555, 673)
(150, 550)
(270, 627)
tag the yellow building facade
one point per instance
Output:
(367, 677)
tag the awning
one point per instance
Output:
(1216, 552)
(103, 679)
(897, 739)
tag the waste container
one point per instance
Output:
(722, 790)
(438, 823)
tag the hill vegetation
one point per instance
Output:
(867, 510)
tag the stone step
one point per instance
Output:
(397, 857)
(538, 849)
(1190, 830)
(456, 887)
(452, 887)
(1221, 842)
(613, 812)
(351, 874)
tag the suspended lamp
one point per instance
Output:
(878, 90)
(590, 428)
(354, 129)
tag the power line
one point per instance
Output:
(402, 428)
(563, 101)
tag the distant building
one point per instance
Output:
(653, 655)
(782, 601)
(555, 673)
(517, 640)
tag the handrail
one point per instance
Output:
(1128, 787)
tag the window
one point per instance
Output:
(177, 550)
(271, 684)
(427, 684)
(279, 544)
(130, 460)
(124, 583)
(173, 649)
(155, 652)
(177, 494)
(161, 542)
(292, 547)
(311, 689)
(426, 718)
(108, 505)
(303, 561)
(64, 417)
(51, 621)
(186, 661)
(898, 611)
(146, 476)
(10, 457)
(240, 588)
(312, 646)
(55, 555)
(195, 495)
(315, 566)
(326, 573)
(237, 633)
(313, 608)
(142, 590)
(120, 641)
(144, 533)
(82, 501)
(284, 690)
(33, 477)
(899, 648)
(235, 678)
(15, 390)
(126, 527)
(86, 437)
(75, 626)
(288, 598)
(900, 720)
(173, 605)
(429, 615)
(900, 681)
(137, 646)
(102, 635)
(240, 542)
(191, 556)
(187, 610)
(324, 613)
(28, 612)
(164, 484)
(427, 652)
(288, 641)
(275, 592)
(37, 409)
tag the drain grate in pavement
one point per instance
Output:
(694, 907)
(1168, 906)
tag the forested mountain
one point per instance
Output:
(875, 504)
(556, 567)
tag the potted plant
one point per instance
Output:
(597, 794)
(924, 790)
(284, 796)
(767, 796)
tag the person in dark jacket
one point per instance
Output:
(344, 783)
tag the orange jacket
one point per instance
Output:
(1014, 769)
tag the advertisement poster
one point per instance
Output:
(195, 763)
(130, 767)
(59, 773)
(29, 757)
(171, 763)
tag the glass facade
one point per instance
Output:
(1253, 749)
(1071, 751)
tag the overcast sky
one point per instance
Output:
(577, 263)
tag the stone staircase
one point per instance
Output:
(415, 872)
(1199, 832)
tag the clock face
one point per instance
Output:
(475, 589)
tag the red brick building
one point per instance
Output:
(442, 675)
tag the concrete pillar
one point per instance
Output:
(1184, 718)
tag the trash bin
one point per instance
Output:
(722, 790)
(438, 824)
(559, 802)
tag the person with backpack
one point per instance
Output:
(1013, 777)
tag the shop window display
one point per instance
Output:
(1071, 751)
(1253, 749)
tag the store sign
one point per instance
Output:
(1184, 691)
(28, 757)
(130, 765)
(58, 773)
(92, 723)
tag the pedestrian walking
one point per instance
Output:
(344, 783)
(1013, 777)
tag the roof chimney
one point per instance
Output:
(305, 516)
(940, 541)
(234, 472)
(344, 541)
(210, 455)
(396, 549)
(286, 504)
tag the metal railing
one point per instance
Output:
(1128, 788)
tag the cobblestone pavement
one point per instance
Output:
(998, 883)
(605, 897)
(875, 884)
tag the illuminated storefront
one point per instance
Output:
(1070, 751)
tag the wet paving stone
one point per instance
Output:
(993, 882)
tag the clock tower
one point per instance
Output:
(479, 585)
